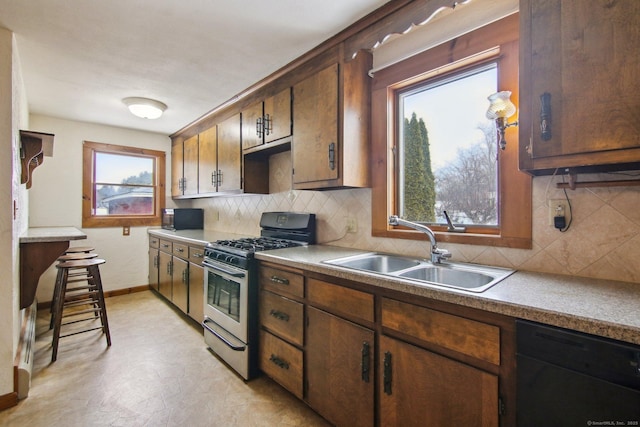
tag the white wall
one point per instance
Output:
(13, 116)
(55, 199)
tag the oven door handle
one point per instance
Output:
(221, 338)
(221, 269)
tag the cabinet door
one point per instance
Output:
(165, 274)
(229, 154)
(176, 169)
(252, 126)
(208, 160)
(190, 166)
(180, 295)
(154, 265)
(196, 292)
(421, 388)
(277, 116)
(315, 116)
(585, 55)
(339, 356)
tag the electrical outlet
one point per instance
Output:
(558, 207)
(351, 224)
(126, 230)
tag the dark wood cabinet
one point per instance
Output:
(330, 146)
(208, 160)
(196, 284)
(267, 121)
(165, 273)
(180, 284)
(584, 55)
(154, 262)
(340, 369)
(422, 388)
(177, 150)
(229, 155)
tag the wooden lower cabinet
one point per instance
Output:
(339, 366)
(154, 264)
(180, 294)
(165, 275)
(282, 362)
(196, 292)
(421, 388)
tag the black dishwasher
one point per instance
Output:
(567, 378)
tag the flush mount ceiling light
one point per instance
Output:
(144, 107)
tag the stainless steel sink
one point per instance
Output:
(377, 263)
(469, 277)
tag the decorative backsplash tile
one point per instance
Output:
(603, 240)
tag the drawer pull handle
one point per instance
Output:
(165, 245)
(388, 372)
(198, 255)
(364, 364)
(180, 250)
(279, 315)
(278, 362)
(279, 280)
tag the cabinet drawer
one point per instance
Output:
(181, 250)
(196, 255)
(154, 242)
(282, 282)
(282, 362)
(470, 337)
(166, 245)
(342, 300)
(282, 316)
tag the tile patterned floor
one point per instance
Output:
(157, 372)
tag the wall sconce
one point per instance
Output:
(144, 107)
(500, 109)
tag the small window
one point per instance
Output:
(121, 185)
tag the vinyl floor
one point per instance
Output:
(157, 372)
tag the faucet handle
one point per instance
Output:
(439, 255)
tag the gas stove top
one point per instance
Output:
(279, 230)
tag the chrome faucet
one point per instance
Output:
(437, 255)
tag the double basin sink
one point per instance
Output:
(468, 277)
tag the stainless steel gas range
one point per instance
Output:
(231, 287)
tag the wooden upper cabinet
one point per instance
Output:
(277, 116)
(585, 55)
(229, 155)
(330, 146)
(176, 169)
(190, 166)
(252, 126)
(267, 121)
(208, 160)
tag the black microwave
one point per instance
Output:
(182, 219)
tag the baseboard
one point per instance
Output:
(107, 294)
(8, 400)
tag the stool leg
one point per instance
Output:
(56, 296)
(95, 277)
(58, 314)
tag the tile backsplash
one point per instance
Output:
(603, 240)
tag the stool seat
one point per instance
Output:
(78, 256)
(79, 249)
(85, 297)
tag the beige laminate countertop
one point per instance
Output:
(193, 237)
(51, 234)
(600, 307)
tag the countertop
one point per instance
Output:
(194, 237)
(51, 234)
(601, 307)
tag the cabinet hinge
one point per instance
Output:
(501, 409)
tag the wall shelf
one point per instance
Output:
(33, 147)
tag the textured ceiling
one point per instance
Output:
(81, 58)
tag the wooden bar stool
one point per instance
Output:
(78, 273)
(78, 301)
(79, 249)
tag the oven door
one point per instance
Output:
(225, 297)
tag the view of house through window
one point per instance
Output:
(124, 185)
(121, 185)
(448, 149)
